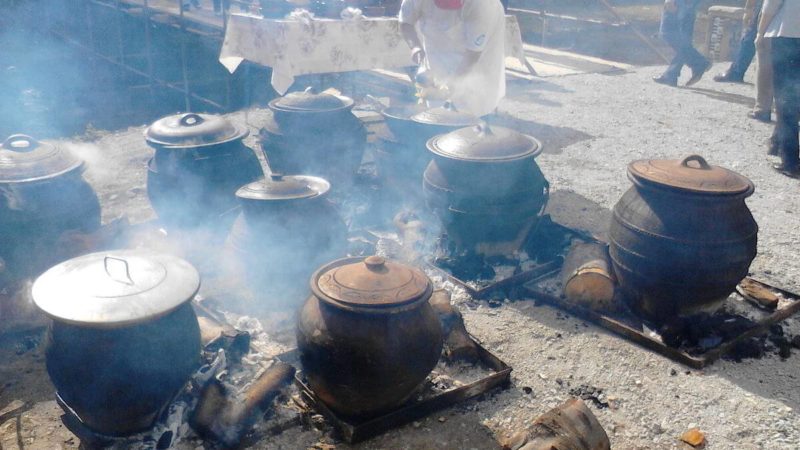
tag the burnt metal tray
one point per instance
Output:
(536, 273)
(633, 334)
(356, 430)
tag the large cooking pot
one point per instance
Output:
(286, 229)
(367, 335)
(441, 120)
(315, 134)
(484, 185)
(682, 237)
(199, 163)
(42, 196)
(124, 338)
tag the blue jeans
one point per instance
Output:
(747, 50)
(786, 63)
(677, 30)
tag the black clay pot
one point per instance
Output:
(682, 237)
(124, 338)
(42, 196)
(485, 186)
(199, 163)
(315, 134)
(286, 229)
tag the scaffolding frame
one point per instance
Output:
(154, 13)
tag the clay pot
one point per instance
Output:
(367, 335)
(199, 163)
(124, 338)
(682, 237)
(42, 196)
(286, 229)
(485, 186)
(311, 133)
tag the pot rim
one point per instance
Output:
(680, 192)
(241, 133)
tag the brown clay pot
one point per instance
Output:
(367, 335)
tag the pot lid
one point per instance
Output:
(193, 130)
(485, 143)
(370, 283)
(23, 158)
(446, 116)
(310, 101)
(115, 289)
(284, 187)
(692, 174)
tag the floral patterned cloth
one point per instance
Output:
(299, 47)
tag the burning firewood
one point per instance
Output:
(457, 344)
(570, 426)
(587, 277)
(227, 419)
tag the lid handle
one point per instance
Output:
(128, 280)
(310, 90)
(698, 159)
(276, 176)
(449, 106)
(191, 119)
(483, 129)
(375, 263)
(13, 143)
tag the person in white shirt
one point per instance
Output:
(460, 45)
(780, 23)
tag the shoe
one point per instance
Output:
(728, 77)
(761, 116)
(789, 171)
(666, 80)
(697, 74)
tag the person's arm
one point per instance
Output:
(408, 18)
(410, 35)
(768, 12)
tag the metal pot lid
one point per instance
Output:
(485, 143)
(23, 158)
(284, 187)
(691, 174)
(446, 116)
(310, 101)
(371, 282)
(193, 130)
(115, 289)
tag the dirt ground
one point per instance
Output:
(592, 126)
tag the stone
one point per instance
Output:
(694, 437)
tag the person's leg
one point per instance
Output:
(786, 60)
(670, 33)
(744, 56)
(763, 107)
(694, 59)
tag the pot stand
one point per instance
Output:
(356, 430)
(629, 327)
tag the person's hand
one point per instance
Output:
(759, 40)
(670, 6)
(417, 55)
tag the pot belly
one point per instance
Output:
(362, 365)
(119, 380)
(675, 256)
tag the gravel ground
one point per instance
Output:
(592, 126)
